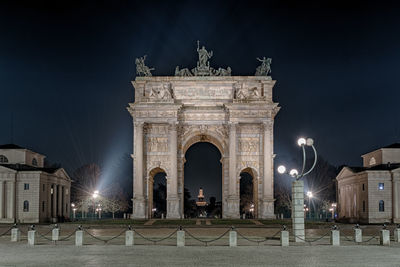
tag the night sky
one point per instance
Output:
(65, 71)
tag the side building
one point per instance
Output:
(29, 192)
(370, 194)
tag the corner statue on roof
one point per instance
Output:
(265, 68)
(141, 68)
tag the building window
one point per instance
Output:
(363, 205)
(26, 186)
(381, 205)
(3, 159)
(363, 187)
(381, 186)
(66, 207)
(34, 162)
(26, 206)
(42, 206)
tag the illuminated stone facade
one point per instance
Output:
(235, 113)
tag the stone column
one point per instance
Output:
(395, 200)
(298, 210)
(59, 195)
(139, 208)
(1, 199)
(11, 201)
(172, 181)
(233, 193)
(267, 211)
(48, 193)
(54, 213)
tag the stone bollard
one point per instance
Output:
(284, 237)
(31, 236)
(232, 237)
(335, 236)
(384, 236)
(129, 239)
(396, 233)
(357, 234)
(55, 233)
(79, 236)
(15, 235)
(180, 237)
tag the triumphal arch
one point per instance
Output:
(203, 104)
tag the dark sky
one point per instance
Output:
(65, 70)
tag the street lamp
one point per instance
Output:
(298, 189)
(73, 211)
(309, 195)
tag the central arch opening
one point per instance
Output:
(203, 170)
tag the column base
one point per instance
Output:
(267, 209)
(139, 208)
(173, 209)
(232, 209)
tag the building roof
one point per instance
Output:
(381, 167)
(11, 146)
(24, 167)
(394, 145)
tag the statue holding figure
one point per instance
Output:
(265, 68)
(204, 56)
(141, 68)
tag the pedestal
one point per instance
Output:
(385, 238)
(298, 211)
(232, 238)
(335, 238)
(31, 237)
(139, 208)
(79, 238)
(284, 238)
(15, 235)
(180, 238)
(55, 233)
(396, 233)
(129, 239)
(358, 235)
(173, 209)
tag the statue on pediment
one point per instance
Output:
(141, 68)
(204, 56)
(265, 68)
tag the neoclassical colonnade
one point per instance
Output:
(203, 109)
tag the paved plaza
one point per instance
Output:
(114, 255)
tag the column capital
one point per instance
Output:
(138, 123)
(267, 124)
(232, 125)
(173, 125)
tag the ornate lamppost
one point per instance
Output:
(298, 189)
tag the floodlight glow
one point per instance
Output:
(72, 205)
(302, 141)
(281, 169)
(309, 142)
(293, 172)
(309, 194)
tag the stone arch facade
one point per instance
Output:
(203, 109)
